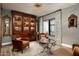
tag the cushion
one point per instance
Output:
(44, 40)
(18, 38)
(42, 35)
(25, 42)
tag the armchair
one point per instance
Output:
(75, 49)
(43, 40)
(19, 44)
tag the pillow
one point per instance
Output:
(18, 38)
(24, 42)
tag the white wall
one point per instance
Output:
(70, 35)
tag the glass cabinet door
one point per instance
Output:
(17, 23)
(32, 24)
(25, 24)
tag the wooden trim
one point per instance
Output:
(14, 11)
(7, 43)
(66, 45)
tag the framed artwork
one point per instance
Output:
(72, 21)
(6, 25)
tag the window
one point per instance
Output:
(46, 26)
(49, 26)
(52, 27)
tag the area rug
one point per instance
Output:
(35, 50)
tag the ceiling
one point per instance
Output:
(31, 9)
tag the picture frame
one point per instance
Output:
(72, 21)
(6, 25)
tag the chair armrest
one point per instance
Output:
(75, 49)
(75, 45)
(17, 42)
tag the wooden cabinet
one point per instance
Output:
(24, 25)
(17, 23)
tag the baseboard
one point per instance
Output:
(6, 43)
(66, 45)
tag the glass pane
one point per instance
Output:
(18, 28)
(52, 22)
(26, 23)
(32, 28)
(52, 28)
(52, 33)
(45, 27)
(26, 28)
(32, 23)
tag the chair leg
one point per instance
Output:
(43, 50)
(22, 51)
(28, 46)
(12, 49)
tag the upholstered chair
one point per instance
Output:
(43, 38)
(75, 49)
(19, 44)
